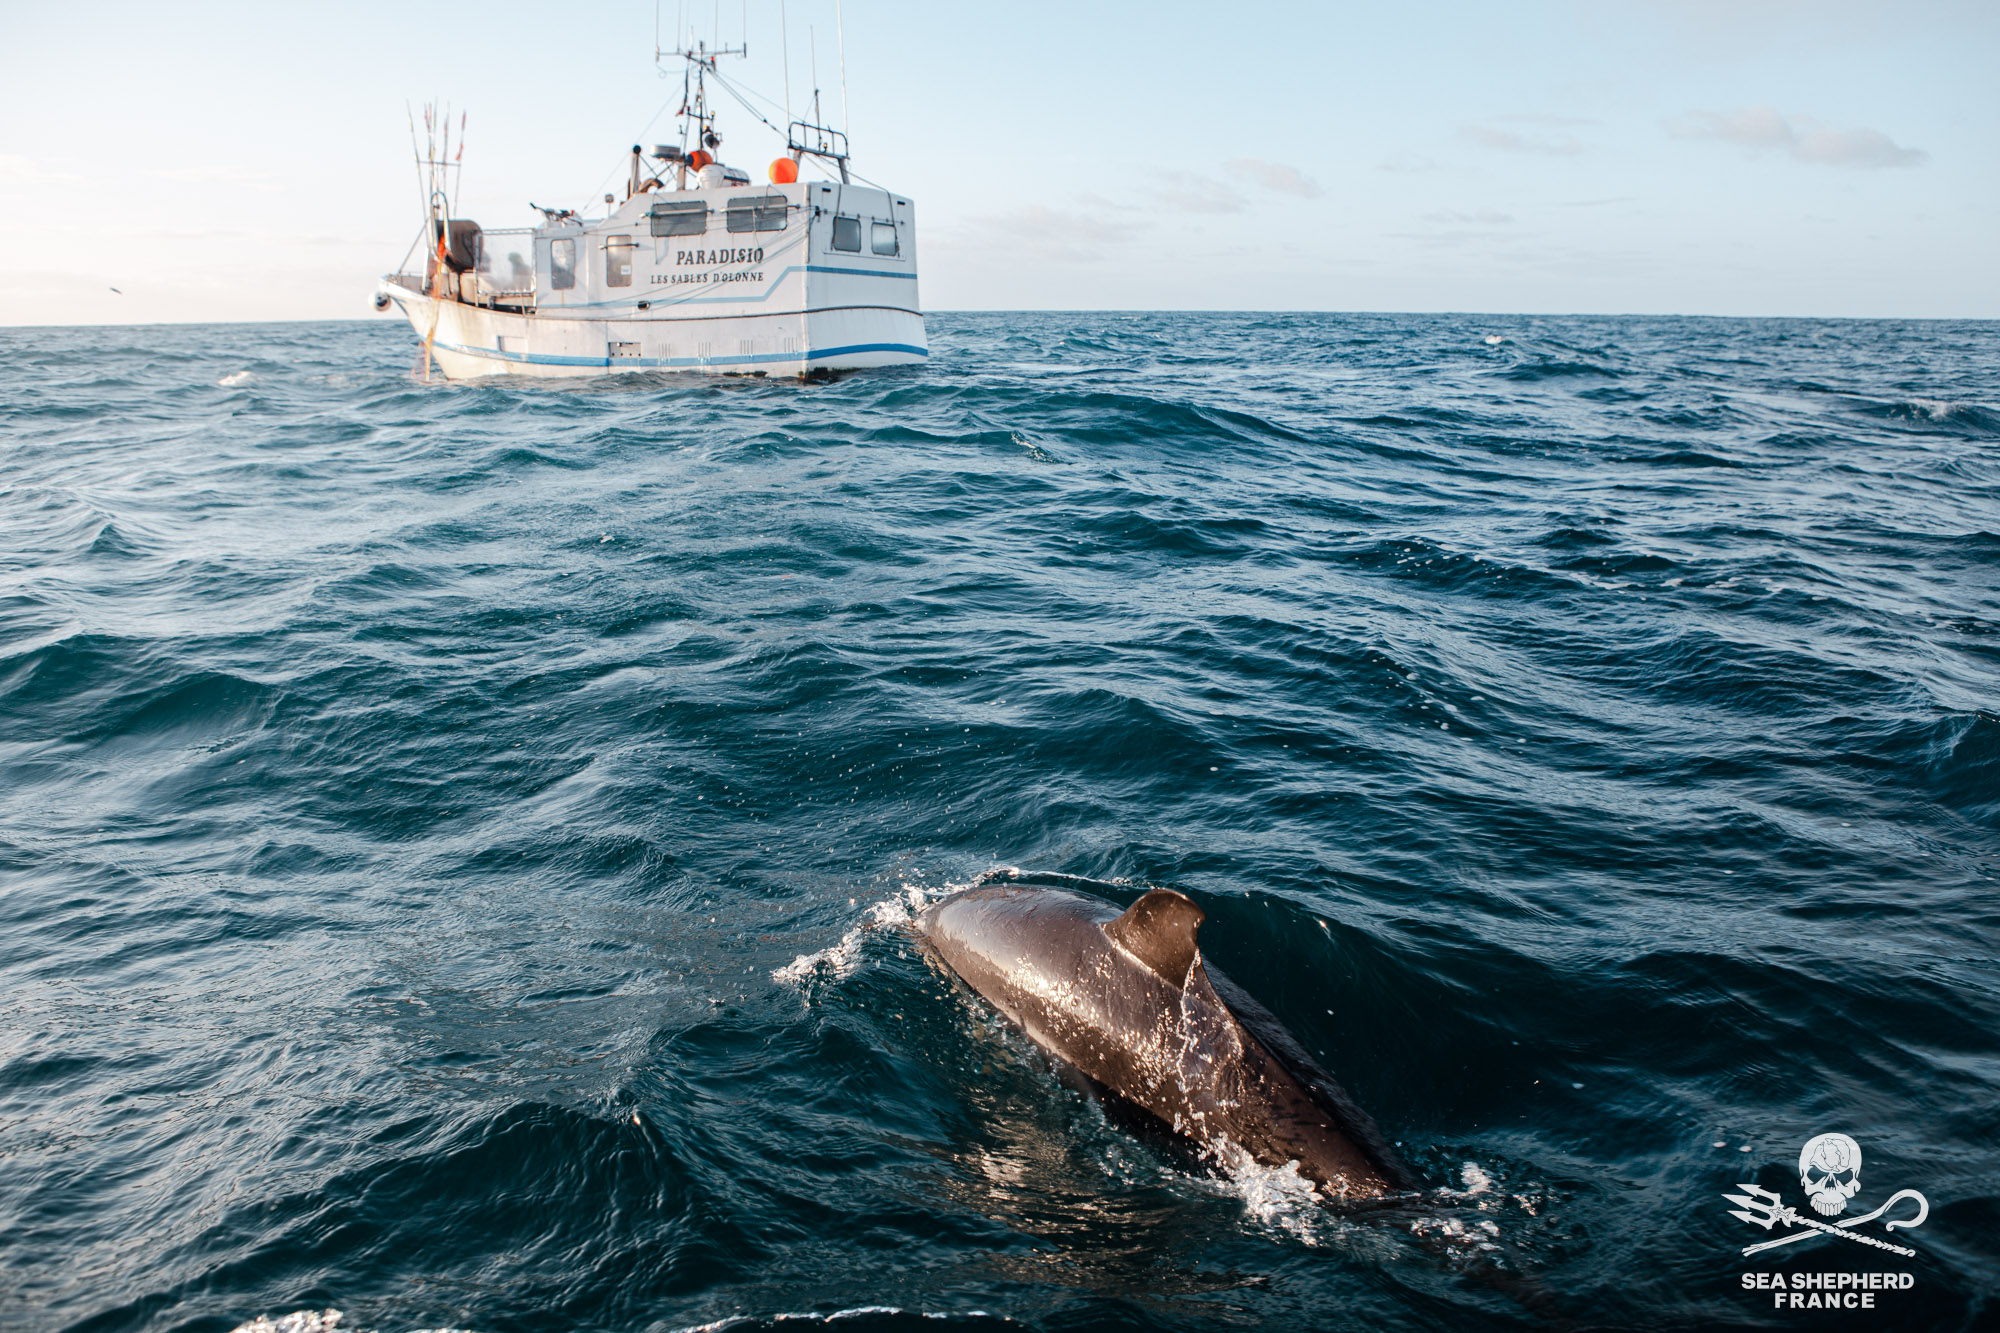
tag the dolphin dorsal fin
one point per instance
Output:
(1158, 930)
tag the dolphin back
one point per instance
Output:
(1126, 999)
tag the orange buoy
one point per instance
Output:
(699, 158)
(784, 171)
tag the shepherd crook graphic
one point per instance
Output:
(1923, 1211)
(1767, 1211)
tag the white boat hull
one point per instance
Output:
(471, 341)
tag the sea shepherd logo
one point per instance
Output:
(1830, 1174)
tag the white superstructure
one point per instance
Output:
(696, 270)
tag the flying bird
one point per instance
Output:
(116, 290)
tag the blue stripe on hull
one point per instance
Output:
(658, 296)
(856, 272)
(681, 362)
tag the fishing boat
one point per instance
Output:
(696, 269)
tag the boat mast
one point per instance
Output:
(802, 138)
(695, 112)
(815, 136)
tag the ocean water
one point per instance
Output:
(457, 841)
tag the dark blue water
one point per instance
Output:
(454, 839)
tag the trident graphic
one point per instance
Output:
(1764, 1208)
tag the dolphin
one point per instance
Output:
(1124, 998)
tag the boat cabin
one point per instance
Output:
(719, 239)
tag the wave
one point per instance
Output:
(1938, 414)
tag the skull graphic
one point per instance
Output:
(1830, 1170)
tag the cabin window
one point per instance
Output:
(562, 264)
(847, 234)
(882, 238)
(618, 256)
(517, 280)
(757, 213)
(679, 217)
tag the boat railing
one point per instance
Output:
(822, 141)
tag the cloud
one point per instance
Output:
(1513, 141)
(208, 176)
(1763, 129)
(1485, 227)
(1273, 176)
(1053, 234)
(1406, 162)
(1480, 238)
(1194, 194)
(1752, 127)
(26, 173)
(1100, 204)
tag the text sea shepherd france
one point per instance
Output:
(1826, 1291)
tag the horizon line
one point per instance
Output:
(391, 321)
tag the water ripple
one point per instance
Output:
(459, 839)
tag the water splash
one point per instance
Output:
(1276, 1199)
(840, 961)
(745, 1321)
(1460, 1238)
(298, 1321)
(315, 1321)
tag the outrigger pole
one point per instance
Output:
(433, 164)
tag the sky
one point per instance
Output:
(1756, 157)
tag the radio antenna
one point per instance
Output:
(840, 26)
(785, 37)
